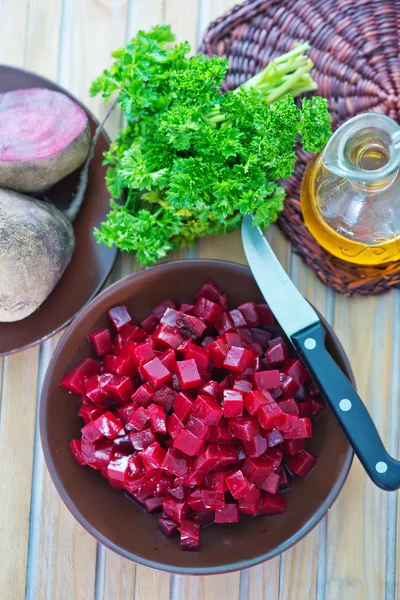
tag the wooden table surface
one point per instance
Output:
(44, 552)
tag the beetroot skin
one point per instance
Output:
(44, 136)
(204, 432)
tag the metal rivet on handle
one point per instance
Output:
(310, 344)
(381, 467)
(345, 404)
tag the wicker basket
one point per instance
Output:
(356, 52)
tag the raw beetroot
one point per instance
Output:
(205, 432)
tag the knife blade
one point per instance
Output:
(304, 329)
(274, 283)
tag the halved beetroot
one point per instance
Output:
(44, 136)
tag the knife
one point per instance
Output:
(304, 329)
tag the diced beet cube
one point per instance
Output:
(210, 389)
(142, 439)
(119, 316)
(272, 504)
(185, 307)
(100, 340)
(255, 447)
(165, 397)
(204, 519)
(188, 374)
(233, 339)
(120, 388)
(190, 326)
(207, 310)
(210, 290)
(167, 526)
(206, 409)
(123, 444)
(285, 479)
(74, 380)
(118, 345)
(266, 380)
(176, 463)
(155, 373)
(256, 399)
(152, 457)
(153, 504)
(119, 365)
(237, 318)
(104, 450)
(228, 514)
(317, 408)
(208, 459)
(169, 317)
(160, 309)
(295, 368)
(223, 301)
(213, 499)
(261, 337)
(75, 447)
(293, 446)
(265, 315)
(149, 324)
(277, 355)
(271, 483)
(167, 337)
(96, 389)
(242, 385)
(228, 455)
(188, 443)
(137, 420)
(142, 353)
(90, 412)
(256, 470)
(238, 359)
(237, 484)
(217, 481)
(198, 428)
(298, 428)
(168, 359)
(199, 354)
(289, 406)
(273, 456)
(288, 385)
(190, 536)
(305, 409)
(218, 351)
(248, 505)
(179, 493)
(116, 472)
(274, 438)
(133, 333)
(88, 450)
(182, 348)
(221, 431)
(143, 395)
(269, 416)
(232, 403)
(177, 511)
(174, 425)
(141, 487)
(182, 406)
(244, 428)
(157, 418)
(193, 478)
(109, 426)
(248, 310)
(224, 324)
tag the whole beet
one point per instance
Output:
(36, 245)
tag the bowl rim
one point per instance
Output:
(47, 81)
(238, 565)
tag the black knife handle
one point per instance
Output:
(347, 407)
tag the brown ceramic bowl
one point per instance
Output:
(113, 518)
(91, 263)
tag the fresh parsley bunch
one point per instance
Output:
(191, 159)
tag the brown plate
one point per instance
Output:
(91, 263)
(112, 517)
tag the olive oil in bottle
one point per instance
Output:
(350, 194)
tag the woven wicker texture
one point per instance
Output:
(356, 53)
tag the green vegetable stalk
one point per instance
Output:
(191, 159)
